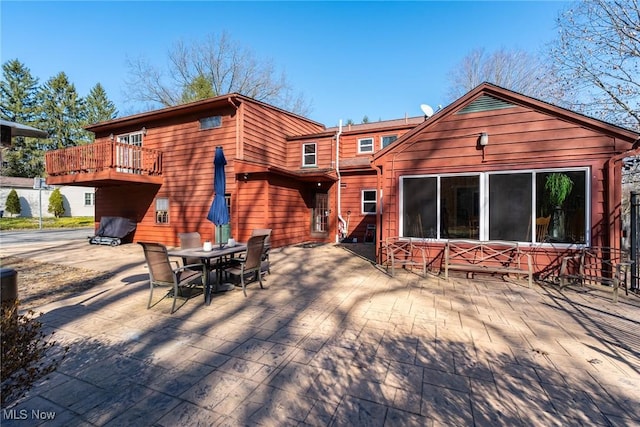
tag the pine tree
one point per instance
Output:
(18, 103)
(98, 106)
(199, 88)
(64, 113)
(56, 203)
(12, 205)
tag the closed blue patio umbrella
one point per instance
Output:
(218, 213)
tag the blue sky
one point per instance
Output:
(349, 59)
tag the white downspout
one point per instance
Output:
(339, 236)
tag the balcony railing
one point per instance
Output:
(102, 156)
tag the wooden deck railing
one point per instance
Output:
(102, 156)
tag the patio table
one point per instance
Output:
(217, 254)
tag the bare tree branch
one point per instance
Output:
(512, 69)
(227, 67)
(597, 58)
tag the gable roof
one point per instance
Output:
(202, 106)
(487, 96)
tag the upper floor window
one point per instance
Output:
(134, 138)
(309, 154)
(365, 145)
(368, 201)
(388, 139)
(162, 210)
(211, 122)
(89, 199)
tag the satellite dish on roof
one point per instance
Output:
(427, 110)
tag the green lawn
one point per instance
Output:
(19, 223)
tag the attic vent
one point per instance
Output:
(485, 103)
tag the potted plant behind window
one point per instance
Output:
(558, 186)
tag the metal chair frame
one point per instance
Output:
(161, 272)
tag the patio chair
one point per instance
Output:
(265, 266)
(250, 264)
(182, 280)
(189, 241)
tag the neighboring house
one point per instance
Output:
(429, 178)
(78, 201)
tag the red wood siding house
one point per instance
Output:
(176, 197)
(439, 181)
(428, 178)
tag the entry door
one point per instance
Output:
(320, 214)
(129, 156)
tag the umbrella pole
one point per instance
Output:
(219, 235)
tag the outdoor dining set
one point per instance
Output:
(198, 267)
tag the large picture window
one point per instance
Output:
(516, 206)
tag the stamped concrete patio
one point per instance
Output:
(333, 340)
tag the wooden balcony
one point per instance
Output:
(102, 164)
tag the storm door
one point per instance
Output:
(319, 220)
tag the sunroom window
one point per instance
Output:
(513, 206)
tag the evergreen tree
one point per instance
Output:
(56, 203)
(18, 93)
(63, 113)
(12, 205)
(199, 88)
(18, 103)
(98, 106)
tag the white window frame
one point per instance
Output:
(128, 156)
(365, 145)
(91, 199)
(162, 207)
(314, 154)
(484, 201)
(387, 136)
(363, 211)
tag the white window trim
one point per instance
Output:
(92, 197)
(315, 154)
(484, 202)
(125, 138)
(387, 136)
(374, 201)
(361, 140)
(168, 210)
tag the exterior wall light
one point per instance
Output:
(484, 139)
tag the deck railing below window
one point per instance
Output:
(103, 156)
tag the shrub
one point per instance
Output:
(56, 203)
(24, 348)
(12, 204)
